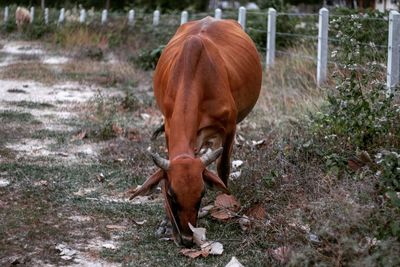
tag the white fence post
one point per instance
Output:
(271, 35)
(184, 17)
(322, 60)
(156, 18)
(131, 17)
(62, 16)
(82, 16)
(218, 13)
(393, 63)
(104, 16)
(242, 17)
(46, 16)
(6, 14)
(32, 14)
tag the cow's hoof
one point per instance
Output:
(165, 229)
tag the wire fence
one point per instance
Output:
(320, 35)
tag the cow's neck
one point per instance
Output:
(184, 124)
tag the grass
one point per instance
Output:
(11, 116)
(31, 104)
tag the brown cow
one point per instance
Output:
(22, 16)
(207, 80)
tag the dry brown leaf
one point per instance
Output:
(116, 227)
(222, 214)
(117, 130)
(355, 164)
(225, 207)
(227, 201)
(257, 212)
(206, 247)
(193, 253)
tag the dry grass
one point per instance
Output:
(29, 71)
(289, 89)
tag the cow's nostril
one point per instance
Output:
(187, 241)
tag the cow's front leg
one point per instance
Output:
(223, 163)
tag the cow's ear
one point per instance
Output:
(149, 185)
(214, 181)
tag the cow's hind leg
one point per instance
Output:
(223, 163)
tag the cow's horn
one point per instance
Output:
(160, 162)
(211, 156)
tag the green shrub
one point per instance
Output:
(361, 114)
(147, 59)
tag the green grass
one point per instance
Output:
(31, 104)
(11, 116)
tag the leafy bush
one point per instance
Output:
(389, 161)
(361, 114)
(147, 59)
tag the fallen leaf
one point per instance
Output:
(281, 254)
(206, 247)
(235, 175)
(257, 212)
(227, 201)
(115, 227)
(116, 129)
(237, 163)
(193, 253)
(199, 234)
(213, 248)
(225, 207)
(355, 164)
(234, 263)
(222, 215)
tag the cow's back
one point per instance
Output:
(234, 56)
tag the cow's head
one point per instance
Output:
(184, 178)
